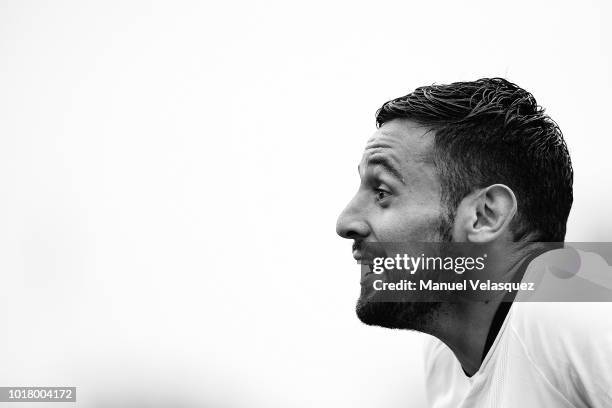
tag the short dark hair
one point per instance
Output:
(492, 131)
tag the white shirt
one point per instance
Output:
(546, 355)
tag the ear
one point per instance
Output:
(485, 215)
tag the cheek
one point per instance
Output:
(417, 223)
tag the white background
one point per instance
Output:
(171, 173)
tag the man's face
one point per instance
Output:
(398, 200)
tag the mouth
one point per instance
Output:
(363, 258)
(358, 251)
(357, 255)
(364, 254)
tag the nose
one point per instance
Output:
(351, 223)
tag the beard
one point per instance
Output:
(408, 315)
(399, 315)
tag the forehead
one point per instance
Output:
(405, 142)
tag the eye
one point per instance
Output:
(382, 194)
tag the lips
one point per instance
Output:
(358, 254)
(364, 253)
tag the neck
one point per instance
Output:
(465, 326)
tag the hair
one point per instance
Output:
(492, 131)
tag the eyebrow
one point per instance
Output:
(387, 164)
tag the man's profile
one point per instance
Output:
(480, 163)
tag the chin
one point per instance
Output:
(398, 315)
